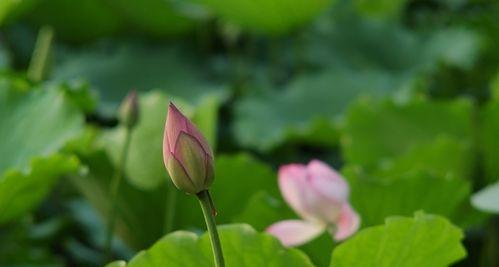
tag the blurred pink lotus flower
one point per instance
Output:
(186, 154)
(319, 195)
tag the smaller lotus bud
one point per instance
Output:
(187, 156)
(129, 110)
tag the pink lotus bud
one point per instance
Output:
(129, 109)
(186, 154)
(319, 195)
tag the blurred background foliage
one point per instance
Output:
(402, 96)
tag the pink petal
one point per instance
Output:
(295, 190)
(348, 223)
(327, 181)
(306, 201)
(176, 123)
(295, 232)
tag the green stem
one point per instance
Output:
(113, 193)
(39, 60)
(170, 208)
(209, 217)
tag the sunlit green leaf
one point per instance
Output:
(425, 240)
(242, 247)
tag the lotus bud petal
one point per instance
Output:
(129, 110)
(187, 156)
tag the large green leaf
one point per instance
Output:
(242, 247)
(266, 120)
(116, 68)
(425, 240)
(487, 199)
(376, 198)
(357, 58)
(405, 149)
(144, 166)
(443, 157)
(267, 16)
(36, 124)
(379, 131)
